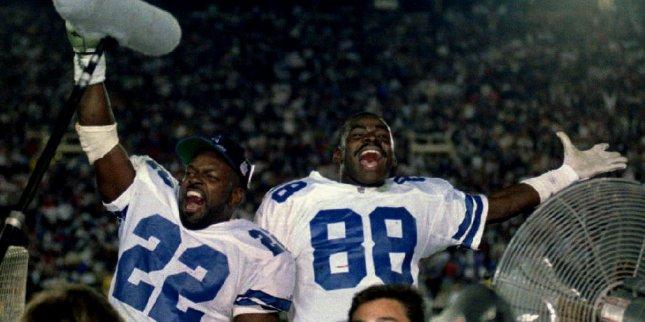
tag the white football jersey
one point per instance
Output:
(346, 238)
(168, 273)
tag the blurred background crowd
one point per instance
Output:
(474, 92)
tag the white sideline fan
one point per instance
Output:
(579, 257)
(13, 283)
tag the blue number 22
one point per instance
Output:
(165, 234)
(401, 239)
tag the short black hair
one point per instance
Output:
(347, 125)
(409, 297)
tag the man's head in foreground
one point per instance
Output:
(70, 303)
(387, 303)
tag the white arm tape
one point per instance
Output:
(553, 181)
(97, 141)
(82, 60)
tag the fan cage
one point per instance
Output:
(13, 283)
(574, 250)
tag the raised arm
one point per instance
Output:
(577, 165)
(96, 126)
(114, 171)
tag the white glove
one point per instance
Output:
(577, 165)
(84, 45)
(591, 162)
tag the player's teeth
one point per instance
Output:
(370, 151)
(192, 193)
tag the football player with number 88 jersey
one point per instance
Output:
(368, 229)
(181, 256)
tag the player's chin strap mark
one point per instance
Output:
(97, 141)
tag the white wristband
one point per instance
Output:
(553, 181)
(82, 60)
(97, 141)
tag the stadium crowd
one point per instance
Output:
(496, 77)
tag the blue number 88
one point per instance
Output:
(401, 241)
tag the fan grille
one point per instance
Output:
(575, 248)
(13, 283)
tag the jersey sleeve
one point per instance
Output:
(271, 287)
(457, 218)
(150, 178)
(273, 216)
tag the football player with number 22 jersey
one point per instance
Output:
(368, 229)
(181, 256)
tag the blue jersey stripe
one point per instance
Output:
(476, 222)
(463, 227)
(267, 300)
(248, 302)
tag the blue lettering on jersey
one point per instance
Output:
(283, 193)
(400, 238)
(137, 295)
(325, 246)
(402, 180)
(165, 308)
(216, 265)
(165, 177)
(268, 241)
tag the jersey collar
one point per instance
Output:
(315, 175)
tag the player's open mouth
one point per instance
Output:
(193, 201)
(369, 158)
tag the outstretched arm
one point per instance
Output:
(577, 165)
(96, 126)
(510, 202)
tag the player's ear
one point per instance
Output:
(337, 156)
(237, 196)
